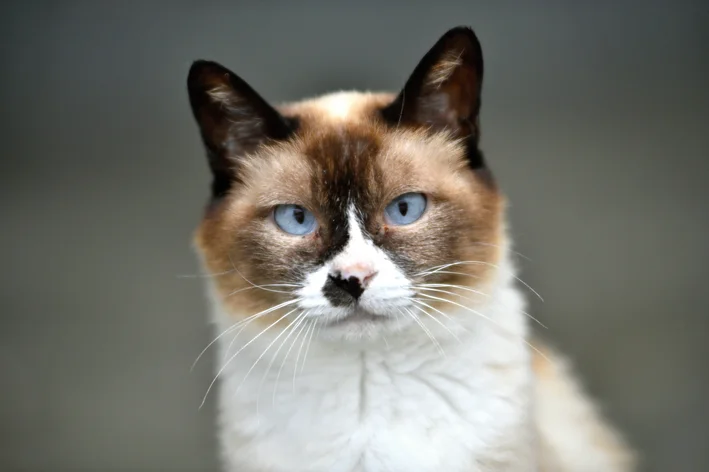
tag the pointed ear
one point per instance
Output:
(443, 92)
(233, 120)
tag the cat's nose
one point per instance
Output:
(352, 280)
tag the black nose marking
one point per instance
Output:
(341, 291)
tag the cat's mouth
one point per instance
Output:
(357, 316)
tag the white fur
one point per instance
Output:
(376, 403)
(387, 292)
(337, 105)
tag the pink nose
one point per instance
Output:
(363, 273)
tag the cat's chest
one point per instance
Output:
(366, 413)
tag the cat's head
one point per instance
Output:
(346, 210)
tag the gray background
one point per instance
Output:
(595, 120)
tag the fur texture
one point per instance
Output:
(364, 344)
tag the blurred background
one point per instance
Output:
(595, 119)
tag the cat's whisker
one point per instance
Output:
(500, 327)
(240, 323)
(253, 284)
(205, 276)
(505, 248)
(470, 299)
(233, 340)
(438, 321)
(247, 345)
(295, 367)
(489, 264)
(258, 359)
(450, 272)
(421, 302)
(307, 347)
(227, 330)
(433, 339)
(283, 362)
(461, 287)
(290, 329)
(262, 287)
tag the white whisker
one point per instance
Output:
(433, 339)
(298, 319)
(486, 318)
(240, 323)
(445, 266)
(437, 321)
(247, 345)
(502, 247)
(295, 367)
(307, 346)
(461, 287)
(250, 282)
(263, 287)
(421, 302)
(450, 272)
(470, 299)
(206, 276)
(283, 363)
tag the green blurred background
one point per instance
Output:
(595, 120)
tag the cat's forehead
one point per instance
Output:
(342, 107)
(341, 147)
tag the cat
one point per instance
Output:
(361, 283)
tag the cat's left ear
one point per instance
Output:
(443, 92)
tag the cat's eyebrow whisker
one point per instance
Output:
(244, 347)
(243, 323)
(500, 327)
(489, 264)
(433, 339)
(470, 299)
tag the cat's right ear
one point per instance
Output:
(233, 120)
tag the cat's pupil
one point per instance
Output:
(299, 215)
(403, 208)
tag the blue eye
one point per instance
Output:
(294, 219)
(406, 208)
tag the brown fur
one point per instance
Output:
(359, 154)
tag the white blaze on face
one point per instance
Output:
(385, 285)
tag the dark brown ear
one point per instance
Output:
(233, 119)
(443, 92)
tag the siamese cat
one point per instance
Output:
(367, 307)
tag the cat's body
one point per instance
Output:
(390, 333)
(394, 406)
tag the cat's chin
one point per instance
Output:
(361, 324)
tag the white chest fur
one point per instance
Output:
(395, 406)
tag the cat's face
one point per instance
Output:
(343, 211)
